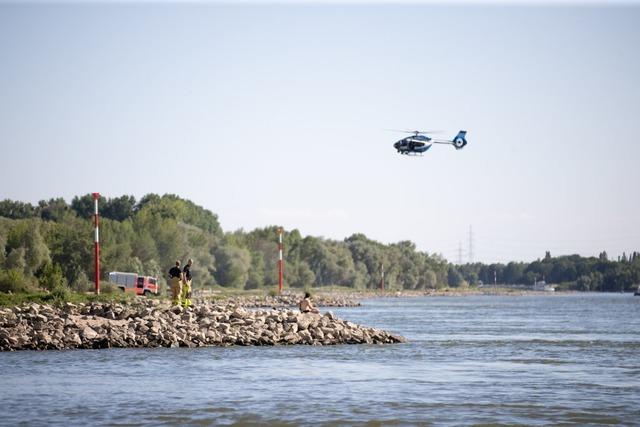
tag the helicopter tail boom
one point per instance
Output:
(458, 142)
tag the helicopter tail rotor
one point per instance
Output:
(460, 141)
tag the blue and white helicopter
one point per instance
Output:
(419, 141)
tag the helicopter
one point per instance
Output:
(419, 142)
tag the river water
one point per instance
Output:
(532, 360)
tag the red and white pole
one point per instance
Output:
(382, 277)
(280, 261)
(96, 240)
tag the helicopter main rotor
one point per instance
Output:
(415, 132)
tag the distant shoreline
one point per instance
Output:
(264, 298)
(347, 298)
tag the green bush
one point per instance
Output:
(109, 288)
(273, 293)
(82, 284)
(60, 293)
(14, 281)
(52, 278)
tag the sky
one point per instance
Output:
(275, 113)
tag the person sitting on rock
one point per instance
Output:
(306, 306)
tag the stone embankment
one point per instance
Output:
(150, 323)
(292, 300)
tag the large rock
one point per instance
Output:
(306, 319)
(88, 333)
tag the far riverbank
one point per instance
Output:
(264, 298)
(342, 297)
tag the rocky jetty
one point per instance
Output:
(150, 323)
(292, 300)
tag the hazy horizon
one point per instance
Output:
(275, 115)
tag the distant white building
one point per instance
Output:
(542, 286)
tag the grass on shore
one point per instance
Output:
(10, 300)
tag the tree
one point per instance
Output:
(563, 270)
(54, 209)
(429, 280)
(529, 278)
(233, 266)
(3, 245)
(172, 206)
(200, 247)
(52, 277)
(256, 272)
(303, 277)
(134, 265)
(82, 283)
(454, 278)
(472, 278)
(144, 246)
(119, 208)
(37, 252)
(596, 280)
(410, 262)
(16, 210)
(370, 254)
(12, 280)
(152, 268)
(584, 283)
(71, 247)
(115, 245)
(16, 260)
(83, 206)
(513, 273)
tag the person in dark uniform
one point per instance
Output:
(186, 284)
(175, 278)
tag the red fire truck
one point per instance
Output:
(131, 282)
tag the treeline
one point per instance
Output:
(51, 245)
(570, 272)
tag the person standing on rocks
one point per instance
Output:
(175, 277)
(186, 284)
(306, 306)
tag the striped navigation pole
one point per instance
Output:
(382, 277)
(96, 240)
(280, 260)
